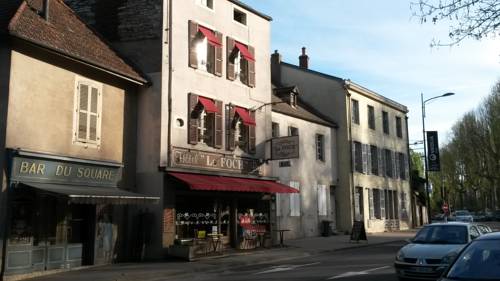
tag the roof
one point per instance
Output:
(303, 110)
(348, 84)
(246, 7)
(65, 33)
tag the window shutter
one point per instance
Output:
(230, 144)
(251, 68)
(368, 159)
(218, 125)
(407, 168)
(370, 201)
(193, 119)
(382, 204)
(364, 157)
(83, 106)
(399, 157)
(218, 56)
(353, 156)
(381, 162)
(251, 135)
(393, 162)
(193, 30)
(230, 66)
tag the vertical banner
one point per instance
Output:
(433, 162)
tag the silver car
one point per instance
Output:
(464, 215)
(432, 249)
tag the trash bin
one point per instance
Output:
(327, 230)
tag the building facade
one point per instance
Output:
(372, 144)
(68, 140)
(312, 172)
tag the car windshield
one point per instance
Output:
(480, 261)
(442, 234)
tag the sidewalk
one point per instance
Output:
(294, 249)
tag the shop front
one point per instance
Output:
(64, 212)
(220, 203)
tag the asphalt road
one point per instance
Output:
(368, 263)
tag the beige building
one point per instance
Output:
(372, 143)
(310, 171)
(67, 141)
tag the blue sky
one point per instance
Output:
(379, 45)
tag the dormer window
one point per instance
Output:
(205, 49)
(293, 100)
(240, 62)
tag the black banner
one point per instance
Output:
(433, 162)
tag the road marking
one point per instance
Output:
(282, 268)
(356, 273)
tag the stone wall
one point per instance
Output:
(121, 20)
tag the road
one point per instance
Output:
(368, 263)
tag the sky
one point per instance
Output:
(381, 46)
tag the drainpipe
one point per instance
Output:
(349, 138)
(46, 9)
(169, 95)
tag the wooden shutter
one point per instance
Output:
(398, 165)
(251, 135)
(364, 158)
(230, 66)
(218, 125)
(370, 202)
(381, 162)
(407, 168)
(368, 159)
(251, 68)
(193, 30)
(193, 119)
(393, 162)
(230, 144)
(382, 204)
(353, 156)
(218, 56)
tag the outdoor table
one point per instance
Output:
(216, 239)
(281, 231)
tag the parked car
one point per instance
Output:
(479, 216)
(480, 260)
(432, 249)
(496, 215)
(463, 215)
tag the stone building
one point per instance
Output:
(372, 143)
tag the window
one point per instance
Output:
(320, 147)
(385, 122)
(206, 3)
(295, 200)
(205, 121)
(358, 157)
(388, 162)
(240, 17)
(370, 203)
(382, 204)
(371, 117)
(241, 129)
(275, 130)
(292, 131)
(402, 165)
(399, 127)
(87, 118)
(376, 203)
(374, 159)
(396, 204)
(322, 204)
(240, 62)
(205, 49)
(293, 100)
(355, 112)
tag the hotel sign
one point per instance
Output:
(188, 158)
(25, 169)
(285, 148)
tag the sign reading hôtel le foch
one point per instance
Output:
(25, 169)
(184, 158)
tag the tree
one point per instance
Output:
(475, 19)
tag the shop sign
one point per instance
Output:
(25, 169)
(285, 148)
(188, 158)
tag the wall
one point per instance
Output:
(327, 95)
(309, 172)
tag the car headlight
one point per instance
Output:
(400, 256)
(449, 258)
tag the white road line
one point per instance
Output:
(356, 273)
(285, 268)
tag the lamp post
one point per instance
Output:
(425, 150)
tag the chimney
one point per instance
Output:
(46, 9)
(276, 68)
(304, 59)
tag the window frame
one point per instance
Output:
(291, 130)
(206, 6)
(87, 142)
(275, 130)
(375, 170)
(388, 163)
(399, 127)
(320, 147)
(355, 111)
(358, 156)
(371, 117)
(244, 21)
(385, 122)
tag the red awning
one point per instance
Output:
(245, 116)
(209, 34)
(209, 105)
(244, 51)
(205, 182)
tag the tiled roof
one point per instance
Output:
(303, 110)
(66, 34)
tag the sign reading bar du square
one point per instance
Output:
(285, 148)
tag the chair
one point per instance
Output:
(200, 239)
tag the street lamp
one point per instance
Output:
(425, 150)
